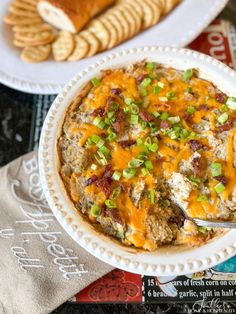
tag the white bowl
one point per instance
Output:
(166, 261)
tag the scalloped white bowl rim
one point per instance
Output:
(166, 261)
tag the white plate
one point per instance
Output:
(165, 261)
(178, 29)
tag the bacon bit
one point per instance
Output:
(113, 214)
(160, 158)
(146, 116)
(127, 143)
(117, 126)
(164, 125)
(220, 97)
(116, 91)
(225, 127)
(203, 107)
(164, 106)
(109, 100)
(221, 179)
(108, 172)
(104, 183)
(98, 112)
(140, 78)
(197, 167)
(119, 116)
(195, 145)
(124, 187)
(188, 118)
(91, 180)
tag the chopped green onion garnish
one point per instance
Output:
(101, 159)
(95, 82)
(143, 91)
(129, 173)
(116, 192)
(144, 171)
(193, 179)
(172, 134)
(160, 84)
(128, 101)
(156, 114)
(219, 188)
(107, 121)
(153, 127)
(152, 196)
(216, 169)
(99, 123)
(146, 82)
(231, 103)
(189, 90)
(191, 110)
(170, 95)
(223, 118)
(145, 103)
(156, 90)
(114, 106)
(95, 210)
(187, 75)
(153, 148)
(143, 125)
(148, 141)
(201, 198)
(116, 176)
(134, 109)
(135, 163)
(94, 166)
(100, 143)
(192, 135)
(202, 229)
(184, 133)
(110, 114)
(95, 138)
(164, 99)
(139, 141)
(105, 151)
(224, 108)
(174, 120)
(110, 203)
(134, 119)
(164, 115)
(111, 137)
(150, 65)
(148, 164)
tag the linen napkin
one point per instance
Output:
(40, 265)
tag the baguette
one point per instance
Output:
(70, 15)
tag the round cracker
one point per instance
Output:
(113, 32)
(22, 12)
(12, 19)
(33, 37)
(25, 6)
(63, 46)
(36, 54)
(118, 26)
(123, 21)
(31, 2)
(93, 41)
(22, 44)
(37, 28)
(81, 49)
(157, 10)
(137, 18)
(129, 16)
(169, 5)
(99, 29)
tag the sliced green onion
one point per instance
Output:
(187, 74)
(100, 143)
(174, 120)
(153, 148)
(139, 141)
(231, 103)
(110, 203)
(101, 159)
(163, 99)
(135, 163)
(128, 101)
(143, 91)
(134, 119)
(148, 141)
(224, 108)
(111, 137)
(156, 114)
(143, 155)
(216, 169)
(171, 95)
(129, 173)
(116, 176)
(150, 65)
(95, 81)
(145, 103)
(160, 84)
(148, 164)
(107, 121)
(143, 125)
(146, 82)
(191, 110)
(98, 122)
(192, 135)
(95, 210)
(184, 133)
(94, 166)
(193, 179)
(156, 90)
(134, 109)
(144, 172)
(219, 188)
(201, 198)
(202, 229)
(153, 127)
(95, 138)
(113, 106)
(223, 118)
(110, 114)
(172, 134)
(105, 151)
(115, 193)
(189, 90)
(152, 196)
(164, 116)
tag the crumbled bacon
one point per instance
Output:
(113, 214)
(146, 116)
(160, 158)
(91, 180)
(127, 143)
(98, 112)
(197, 167)
(221, 179)
(220, 97)
(109, 100)
(124, 187)
(195, 145)
(117, 126)
(164, 125)
(119, 116)
(140, 78)
(188, 118)
(203, 107)
(116, 91)
(104, 183)
(225, 127)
